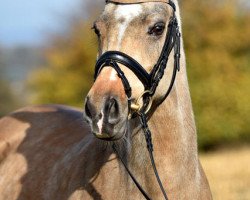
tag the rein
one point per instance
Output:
(150, 81)
(148, 137)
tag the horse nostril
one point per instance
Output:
(88, 109)
(112, 109)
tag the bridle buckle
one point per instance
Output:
(137, 107)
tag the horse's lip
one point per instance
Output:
(106, 137)
(114, 136)
(101, 135)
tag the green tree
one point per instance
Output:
(68, 73)
(218, 57)
(8, 100)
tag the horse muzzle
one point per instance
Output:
(107, 117)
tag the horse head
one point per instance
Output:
(137, 40)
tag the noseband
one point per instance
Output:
(150, 80)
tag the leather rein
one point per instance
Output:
(150, 82)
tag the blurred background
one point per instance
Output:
(48, 51)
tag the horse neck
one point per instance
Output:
(172, 124)
(173, 132)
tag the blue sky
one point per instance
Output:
(27, 21)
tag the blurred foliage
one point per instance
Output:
(7, 98)
(217, 45)
(70, 58)
(68, 74)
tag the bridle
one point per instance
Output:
(150, 80)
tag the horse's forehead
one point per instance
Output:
(128, 12)
(123, 12)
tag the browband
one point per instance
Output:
(135, 1)
(141, 1)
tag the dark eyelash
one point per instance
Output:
(97, 32)
(160, 25)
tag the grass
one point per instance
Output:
(228, 173)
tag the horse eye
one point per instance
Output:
(97, 31)
(157, 29)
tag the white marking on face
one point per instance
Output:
(125, 13)
(113, 75)
(100, 123)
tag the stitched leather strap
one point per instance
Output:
(141, 1)
(130, 174)
(126, 60)
(135, 1)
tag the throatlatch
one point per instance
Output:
(150, 80)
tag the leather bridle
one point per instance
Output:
(150, 80)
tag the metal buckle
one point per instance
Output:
(136, 107)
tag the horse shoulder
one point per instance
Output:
(32, 140)
(37, 122)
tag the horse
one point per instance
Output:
(53, 152)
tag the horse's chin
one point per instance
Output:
(112, 136)
(107, 137)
